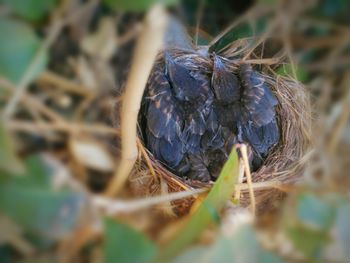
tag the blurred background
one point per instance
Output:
(63, 68)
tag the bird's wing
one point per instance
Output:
(257, 101)
(164, 118)
(188, 85)
(261, 138)
(164, 121)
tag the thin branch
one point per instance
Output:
(32, 127)
(113, 207)
(148, 45)
(199, 15)
(65, 84)
(243, 149)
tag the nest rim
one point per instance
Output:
(285, 161)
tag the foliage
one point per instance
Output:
(31, 9)
(241, 247)
(121, 239)
(31, 202)
(18, 49)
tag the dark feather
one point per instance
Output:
(199, 169)
(257, 100)
(171, 153)
(261, 138)
(187, 85)
(225, 83)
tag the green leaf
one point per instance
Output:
(309, 242)
(31, 9)
(28, 200)
(208, 211)
(314, 212)
(125, 245)
(9, 161)
(35, 175)
(18, 49)
(136, 5)
(241, 247)
(286, 70)
(342, 229)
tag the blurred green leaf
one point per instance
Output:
(36, 175)
(29, 200)
(241, 247)
(315, 212)
(208, 211)
(286, 70)
(125, 245)
(18, 49)
(136, 5)
(9, 161)
(332, 8)
(309, 242)
(342, 229)
(310, 223)
(31, 9)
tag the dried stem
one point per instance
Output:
(249, 177)
(113, 207)
(199, 16)
(148, 45)
(64, 84)
(239, 181)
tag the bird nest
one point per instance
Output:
(282, 166)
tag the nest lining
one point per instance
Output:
(284, 163)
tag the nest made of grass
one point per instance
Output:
(283, 165)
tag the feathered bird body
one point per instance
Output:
(195, 111)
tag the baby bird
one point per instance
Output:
(192, 118)
(178, 104)
(248, 107)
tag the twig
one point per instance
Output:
(65, 84)
(113, 207)
(239, 181)
(28, 126)
(255, 11)
(243, 149)
(199, 15)
(129, 35)
(32, 102)
(148, 44)
(262, 185)
(147, 159)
